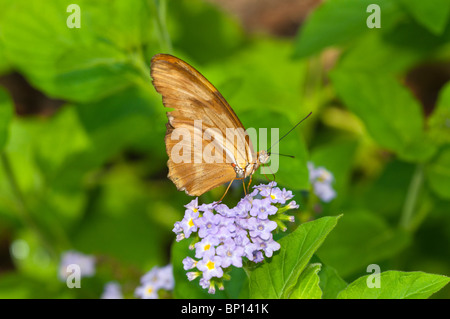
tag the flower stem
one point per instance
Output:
(161, 26)
(411, 198)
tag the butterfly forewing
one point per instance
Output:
(195, 100)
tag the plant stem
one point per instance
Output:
(411, 197)
(25, 214)
(161, 26)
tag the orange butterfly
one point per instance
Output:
(194, 99)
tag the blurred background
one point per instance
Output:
(83, 160)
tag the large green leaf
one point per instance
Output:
(78, 64)
(391, 114)
(361, 238)
(396, 50)
(308, 284)
(195, 27)
(278, 277)
(340, 21)
(431, 14)
(330, 282)
(396, 285)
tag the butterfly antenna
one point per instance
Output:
(289, 131)
(291, 156)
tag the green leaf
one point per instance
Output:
(392, 182)
(438, 173)
(431, 14)
(120, 222)
(78, 64)
(390, 51)
(338, 22)
(308, 284)
(330, 282)
(192, 25)
(6, 114)
(361, 238)
(396, 285)
(439, 120)
(389, 111)
(277, 278)
(133, 118)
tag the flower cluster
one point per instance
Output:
(223, 239)
(321, 180)
(154, 280)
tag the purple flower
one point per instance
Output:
(188, 222)
(225, 211)
(321, 180)
(268, 246)
(206, 247)
(204, 283)
(207, 207)
(193, 205)
(224, 233)
(112, 290)
(262, 208)
(292, 205)
(241, 237)
(154, 280)
(261, 228)
(86, 264)
(286, 195)
(189, 263)
(265, 187)
(324, 191)
(207, 224)
(147, 291)
(231, 254)
(211, 267)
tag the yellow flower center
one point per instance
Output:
(210, 265)
(191, 223)
(207, 247)
(323, 177)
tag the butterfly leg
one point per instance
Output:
(273, 180)
(249, 183)
(229, 185)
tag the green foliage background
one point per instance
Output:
(92, 176)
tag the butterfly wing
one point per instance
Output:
(193, 98)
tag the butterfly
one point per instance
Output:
(195, 100)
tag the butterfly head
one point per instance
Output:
(263, 157)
